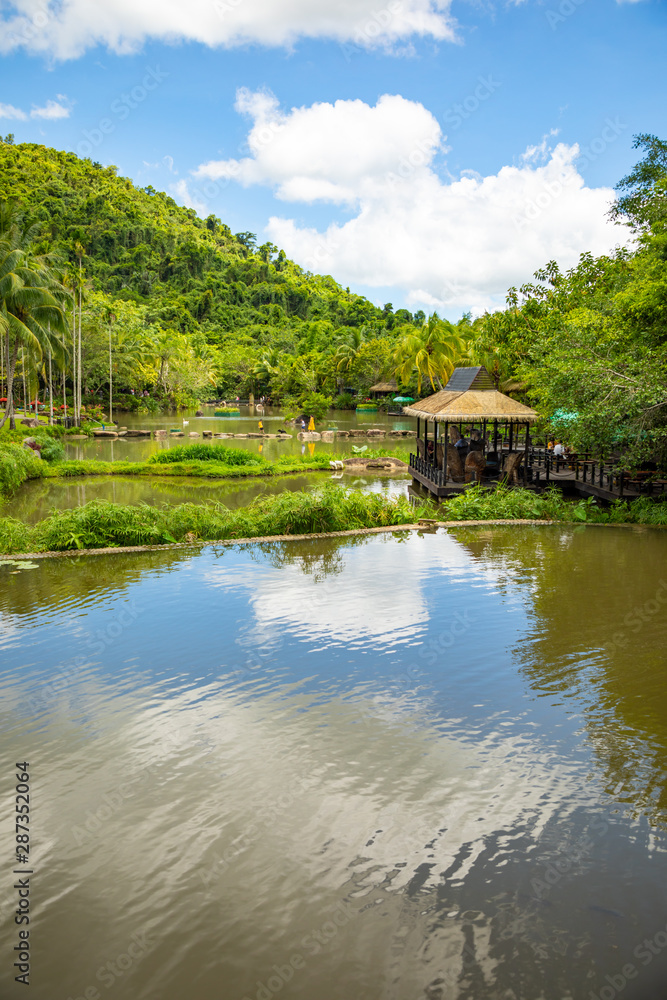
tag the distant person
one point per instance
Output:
(462, 448)
(311, 424)
(260, 427)
(303, 424)
(559, 451)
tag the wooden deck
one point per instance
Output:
(583, 477)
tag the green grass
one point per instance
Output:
(207, 453)
(102, 524)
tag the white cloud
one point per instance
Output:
(67, 29)
(9, 111)
(457, 243)
(327, 152)
(51, 110)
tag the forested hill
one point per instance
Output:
(192, 274)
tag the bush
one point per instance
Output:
(52, 450)
(344, 401)
(207, 453)
(17, 464)
(314, 404)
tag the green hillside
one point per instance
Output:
(192, 273)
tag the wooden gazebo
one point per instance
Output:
(468, 403)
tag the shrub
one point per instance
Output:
(16, 465)
(314, 404)
(344, 401)
(207, 453)
(52, 450)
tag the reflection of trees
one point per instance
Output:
(599, 598)
(69, 581)
(317, 557)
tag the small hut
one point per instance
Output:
(469, 404)
(383, 389)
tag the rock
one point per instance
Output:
(194, 434)
(328, 435)
(375, 432)
(160, 433)
(122, 434)
(176, 434)
(99, 433)
(199, 413)
(207, 434)
(343, 434)
(30, 422)
(122, 429)
(309, 436)
(225, 435)
(138, 432)
(356, 433)
(235, 435)
(254, 434)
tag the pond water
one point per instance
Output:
(37, 498)
(395, 767)
(140, 449)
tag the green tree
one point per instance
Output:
(430, 351)
(31, 296)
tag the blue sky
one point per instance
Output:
(505, 128)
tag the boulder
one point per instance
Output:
(160, 433)
(236, 435)
(207, 434)
(138, 432)
(199, 413)
(122, 434)
(99, 433)
(375, 432)
(309, 436)
(176, 434)
(343, 434)
(193, 434)
(30, 422)
(356, 432)
(328, 435)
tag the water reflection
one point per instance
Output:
(355, 768)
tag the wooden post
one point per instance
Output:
(426, 441)
(444, 450)
(525, 458)
(511, 437)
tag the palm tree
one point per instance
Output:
(31, 294)
(431, 350)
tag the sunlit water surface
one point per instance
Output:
(397, 767)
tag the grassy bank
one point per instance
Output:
(101, 524)
(17, 465)
(509, 503)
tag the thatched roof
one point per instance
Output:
(471, 406)
(384, 387)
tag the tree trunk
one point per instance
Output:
(50, 393)
(11, 368)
